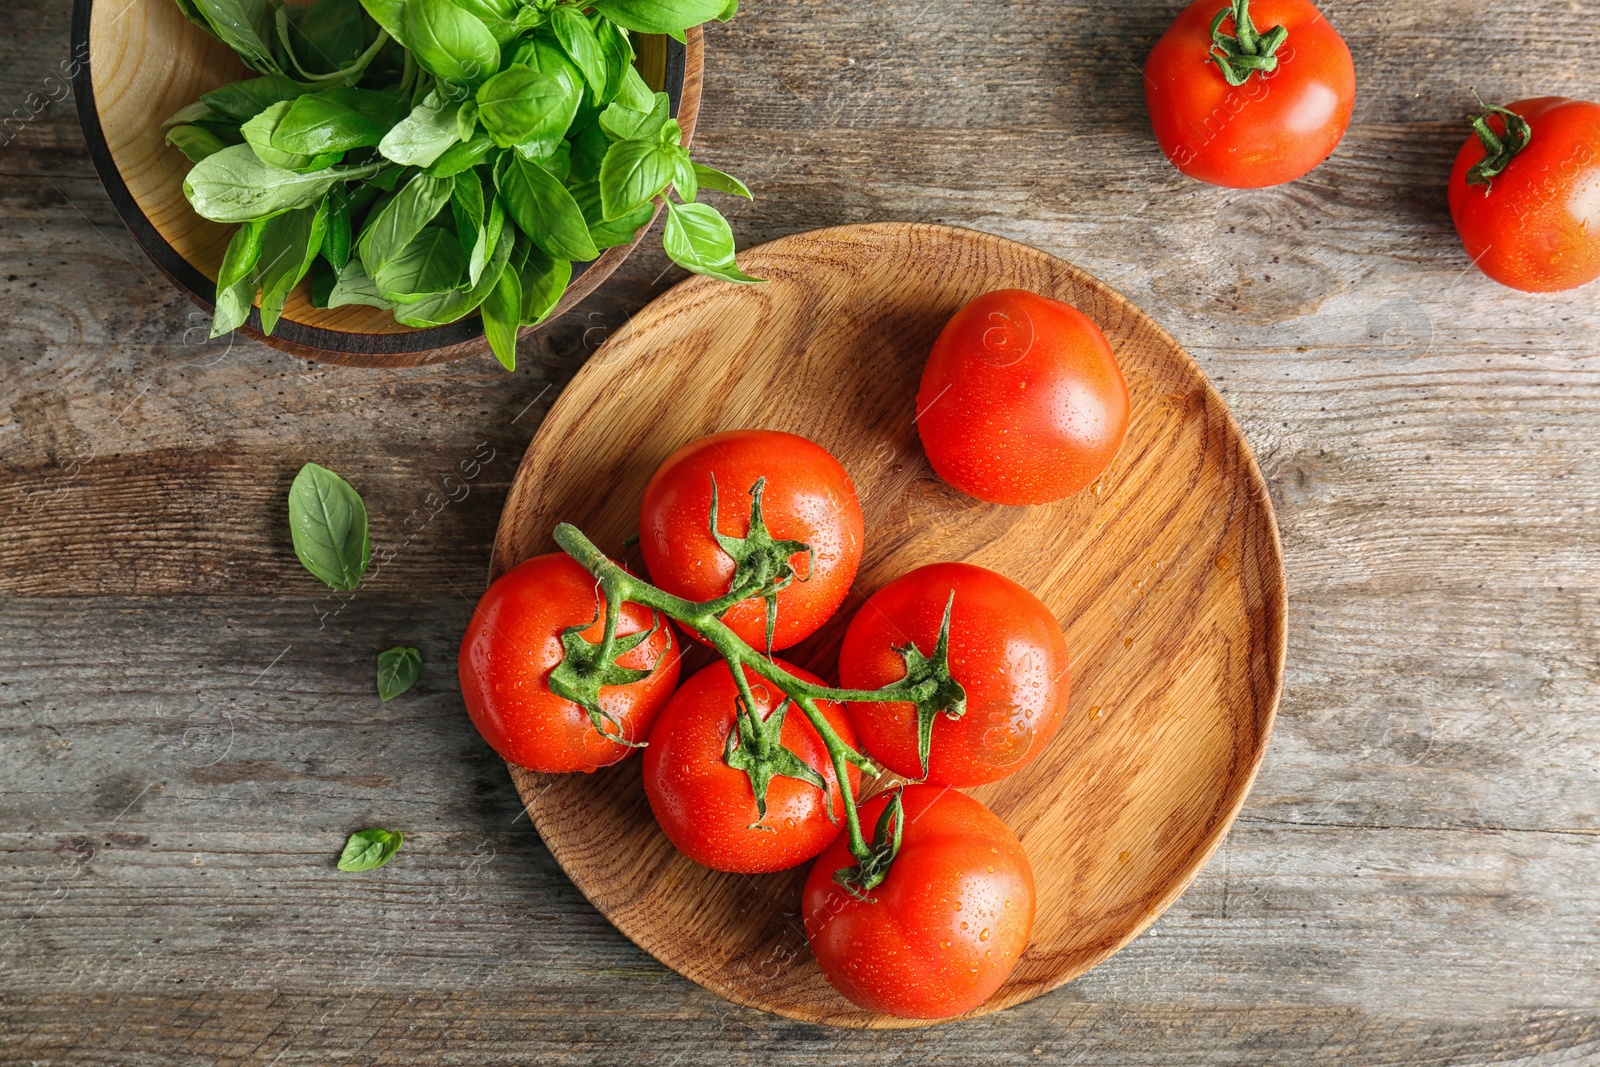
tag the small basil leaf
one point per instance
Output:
(636, 112)
(289, 244)
(336, 241)
(711, 178)
(660, 16)
(328, 523)
(502, 315)
(684, 178)
(367, 850)
(460, 157)
(485, 242)
(398, 670)
(610, 233)
(543, 208)
(196, 142)
(450, 43)
(544, 281)
(577, 36)
(519, 104)
(430, 265)
(634, 173)
(337, 120)
(544, 55)
(700, 239)
(258, 133)
(235, 186)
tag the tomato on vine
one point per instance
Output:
(1525, 194)
(944, 928)
(711, 798)
(766, 521)
(1021, 400)
(538, 681)
(1007, 657)
(1247, 95)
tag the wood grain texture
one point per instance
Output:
(1165, 575)
(144, 59)
(1411, 881)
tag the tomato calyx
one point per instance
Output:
(937, 690)
(762, 566)
(754, 746)
(1248, 50)
(586, 667)
(1498, 149)
(872, 868)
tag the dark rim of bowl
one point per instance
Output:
(203, 290)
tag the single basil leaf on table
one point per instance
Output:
(422, 136)
(328, 522)
(236, 281)
(634, 173)
(544, 281)
(543, 208)
(235, 186)
(448, 42)
(244, 100)
(700, 239)
(577, 36)
(196, 142)
(244, 26)
(445, 308)
(354, 287)
(259, 131)
(430, 265)
(460, 157)
(367, 850)
(337, 120)
(398, 222)
(398, 670)
(520, 104)
(661, 16)
(502, 316)
(289, 244)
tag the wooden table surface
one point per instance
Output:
(189, 727)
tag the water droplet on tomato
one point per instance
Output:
(983, 935)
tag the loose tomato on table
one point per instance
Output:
(523, 629)
(795, 553)
(1247, 95)
(1006, 652)
(1525, 194)
(708, 809)
(1022, 400)
(948, 923)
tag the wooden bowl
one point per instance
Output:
(145, 61)
(1166, 576)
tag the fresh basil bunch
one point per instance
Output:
(440, 157)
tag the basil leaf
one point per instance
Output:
(243, 100)
(636, 112)
(367, 850)
(235, 186)
(199, 111)
(446, 308)
(520, 104)
(543, 209)
(430, 265)
(634, 173)
(577, 36)
(336, 120)
(460, 157)
(589, 150)
(236, 281)
(337, 240)
(448, 42)
(327, 36)
(728, 12)
(244, 26)
(397, 224)
(488, 238)
(613, 232)
(544, 281)
(711, 178)
(289, 244)
(617, 50)
(258, 133)
(354, 287)
(499, 15)
(398, 670)
(466, 203)
(661, 16)
(328, 522)
(544, 55)
(467, 121)
(684, 178)
(502, 315)
(390, 15)
(196, 142)
(700, 239)
(420, 138)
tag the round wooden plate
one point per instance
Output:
(1166, 576)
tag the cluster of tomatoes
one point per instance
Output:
(949, 676)
(1257, 94)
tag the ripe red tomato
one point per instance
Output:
(513, 643)
(1536, 225)
(708, 808)
(1022, 401)
(947, 925)
(807, 497)
(1006, 650)
(1273, 127)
